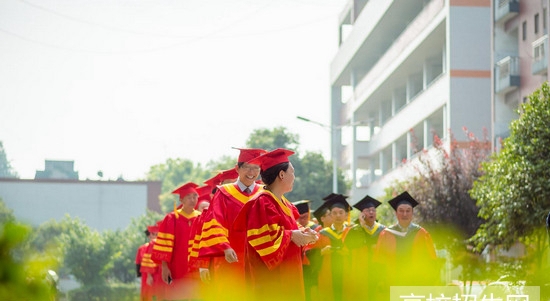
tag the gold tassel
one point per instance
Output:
(176, 209)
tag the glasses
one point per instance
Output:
(251, 167)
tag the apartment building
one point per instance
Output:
(407, 70)
(520, 57)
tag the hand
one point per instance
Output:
(312, 235)
(149, 280)
(299, 238)
(166, 274)
(205, 274)
(326, 250)
(230, 255)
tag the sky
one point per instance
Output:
(122, 85)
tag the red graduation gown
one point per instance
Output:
(273, 262)
(172, 246)
(217, 235)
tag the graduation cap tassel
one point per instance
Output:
(176, 210)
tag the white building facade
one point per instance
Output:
(407, 70)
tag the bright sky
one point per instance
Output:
(121, 85)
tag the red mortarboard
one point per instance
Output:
(248, 154)
(203, 191)
(153, 229)
(272, 158)
(186, 189)
(221, 176)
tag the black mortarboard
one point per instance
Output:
(367, 202)
(302, 206)
(320, 212)
(338, 200)
(403, 198)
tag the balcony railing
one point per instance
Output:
(507, 74)
(506, 9)
(539, 65)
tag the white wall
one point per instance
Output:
(101, 205)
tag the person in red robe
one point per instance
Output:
(171, 248)
(405, 251)
(139, 258)
(273, 254)
(331, 248)
(219, 242)
(222, 177)
(150, 271)
(361, 276)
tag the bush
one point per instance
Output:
(108, 292)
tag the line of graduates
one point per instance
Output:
(250, 243)
(365, 258)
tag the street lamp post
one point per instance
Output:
(332, 152)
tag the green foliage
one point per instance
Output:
(6, 214)
(122, 262)
(172, 174)
(87, 252)
(313, 178)
(23, 276)
(313, 174)
(514, 193)
(6, 170)
(268, 139)
(108, 292)
(440, 179)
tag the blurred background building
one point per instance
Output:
(56, 191)
(407, 70)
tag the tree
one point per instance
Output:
(269, 140)
(514, 192)
(313, 178)
(87, 252)
(23, 275)
(440, 179)
(6, 170)
(313, 173)
(122, 264)
(172, 174)
(6, 214)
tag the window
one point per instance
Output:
(544, 20)
(524, 30)
(536, 23)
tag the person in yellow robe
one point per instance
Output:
(405, 251)
(361, 276)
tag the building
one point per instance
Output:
(407, 70)
(54, 169)
(519, 56)
(102, 205)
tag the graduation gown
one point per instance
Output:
(273, 263)
(149, 267)
(217, 235)
(333, 264)
(172, 246)
(361, 277)
(139, 257)
(406, 259)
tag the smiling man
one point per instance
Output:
(219, 242)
